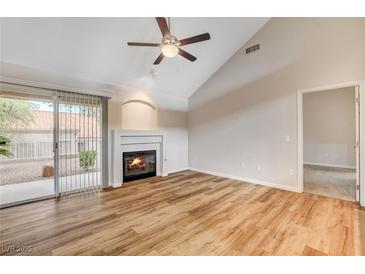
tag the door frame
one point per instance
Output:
(56, 151)
(360, 160)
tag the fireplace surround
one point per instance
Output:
(136, 141)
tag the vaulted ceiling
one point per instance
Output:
(95, 49)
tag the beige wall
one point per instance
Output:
(139, 115)
(329, 130)
(240, 119)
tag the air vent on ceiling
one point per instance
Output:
(253, 48)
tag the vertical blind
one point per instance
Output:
(78, 142)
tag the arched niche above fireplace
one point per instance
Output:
(139, 114)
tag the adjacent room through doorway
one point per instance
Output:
(329, 139)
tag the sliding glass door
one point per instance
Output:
(50, 144)
(26, 143)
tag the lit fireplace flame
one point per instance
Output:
(136, 163)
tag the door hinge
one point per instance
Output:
(357, 187)
(357, 100)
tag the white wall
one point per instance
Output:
(329, 130)
(175, 124)
(244, 112)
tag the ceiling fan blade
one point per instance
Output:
(161, 21)
(143, 44)
(187, 55)
(195, 39)
(159, 59)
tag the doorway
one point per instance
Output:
(329, 141)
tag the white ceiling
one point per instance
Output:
(95, 49)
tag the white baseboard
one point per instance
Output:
(248, 180)
(178, 170)
(329, 165)
(117, 185)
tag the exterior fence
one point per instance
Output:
(43, 149)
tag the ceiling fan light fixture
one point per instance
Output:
(169, 50)
(170, 45)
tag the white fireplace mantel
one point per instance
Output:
(137, 140)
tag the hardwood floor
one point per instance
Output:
(186, 213)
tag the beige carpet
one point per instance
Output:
(329, 181)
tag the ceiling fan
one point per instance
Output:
(170, 45)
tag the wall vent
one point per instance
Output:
(253, 48)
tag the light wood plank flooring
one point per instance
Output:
(186, 213)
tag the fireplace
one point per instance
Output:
(137, 141)
(139, 165)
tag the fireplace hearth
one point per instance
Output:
(139, 165)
